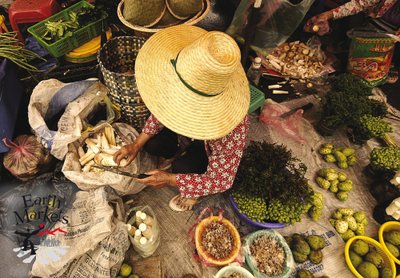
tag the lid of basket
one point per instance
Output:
(183, 9)
(144, 13)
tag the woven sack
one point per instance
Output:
(144, 13)
(117, 63)
(183, 9)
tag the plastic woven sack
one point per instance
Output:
(58, 112)
(279, 19)
(39, 201)
(147, 249)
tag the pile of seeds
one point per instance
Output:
(217, 240)
(268, 254)
(234, 275)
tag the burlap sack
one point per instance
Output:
(79, 99)
(91, 244)
(87, 180)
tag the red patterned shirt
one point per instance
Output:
(374, 8)
(224, 156)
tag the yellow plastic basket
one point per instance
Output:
(388, 226)
(388, 260)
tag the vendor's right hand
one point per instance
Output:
(129, 152)
(318, 24)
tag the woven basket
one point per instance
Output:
(117, 63)
(147, 32)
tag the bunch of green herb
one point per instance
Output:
(345, 108)
(386, 159)
(56, 30)
(374, 127)
(350, 83)
(12, 49)
(270, 173)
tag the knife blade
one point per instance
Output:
(120, 172)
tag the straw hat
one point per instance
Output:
(193, 82)
(144, 13)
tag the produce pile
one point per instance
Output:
(385, 159)
(306, 248)
(126, 271)
(270, 184)
(343, 156)
(374, 127)
(304, 273)
(349, 223)
(268, 255)
(99, 150)
(368, 261)
(346, 104)
(295, 59)
(12, 49)
(392, 241)
(56, 30)
(217, 240)
(335, 182)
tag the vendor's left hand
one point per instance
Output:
(158, 179)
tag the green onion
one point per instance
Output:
(13, 50)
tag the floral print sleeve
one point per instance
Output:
(224, 156)
(152, 126)
(374, 8)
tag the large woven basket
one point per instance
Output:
(117, 63)
(148, 31)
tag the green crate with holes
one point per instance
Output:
(257, 99)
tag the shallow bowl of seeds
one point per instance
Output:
(268, 255)
(217, 241)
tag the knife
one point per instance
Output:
(115, 170)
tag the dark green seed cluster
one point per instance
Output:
(258, 209)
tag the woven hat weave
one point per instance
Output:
(193, 82)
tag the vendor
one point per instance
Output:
(387, 9)
(197, 91)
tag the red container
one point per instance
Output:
(30, 11)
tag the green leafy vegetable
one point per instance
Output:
(270, 184)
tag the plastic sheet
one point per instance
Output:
(288, 126)
(279, 19)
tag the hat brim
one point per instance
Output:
(172, 103)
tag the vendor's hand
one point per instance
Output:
(158, 179)
(129, 152)
(318, 24)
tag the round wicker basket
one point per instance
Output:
(148, 31)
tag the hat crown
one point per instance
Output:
(207, 64)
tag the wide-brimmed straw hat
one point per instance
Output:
(193, 82)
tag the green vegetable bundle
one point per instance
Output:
(12, 49)
(341, 108)
(374, 127)
(350, 83)
(270, 184)
(386, 159)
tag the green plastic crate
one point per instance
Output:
(79, 37)
(257, 99)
